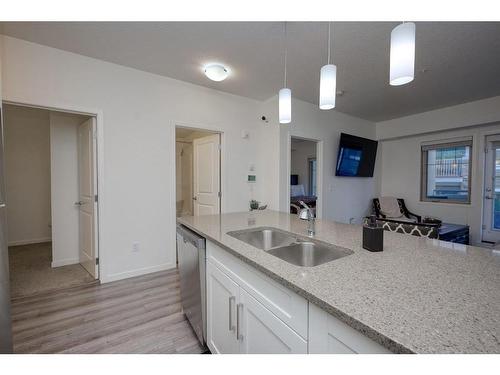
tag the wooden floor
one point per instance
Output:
(138, 315)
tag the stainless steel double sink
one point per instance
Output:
(294, 249)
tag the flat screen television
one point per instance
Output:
(356, 156)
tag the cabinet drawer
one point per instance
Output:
(264, 333)
(288, 306)
(329, 335)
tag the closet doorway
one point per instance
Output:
(51, 189)
(197, 172)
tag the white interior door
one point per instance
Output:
(86, 203)
(491, 193)
(206, 175)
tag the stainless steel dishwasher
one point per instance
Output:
(192, 270)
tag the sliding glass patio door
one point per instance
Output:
(491, 194)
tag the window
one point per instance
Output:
(446, 171)
(312, 176)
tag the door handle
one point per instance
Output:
(231, 327)
(79, 203)
(487, 197)
(239, 336)
(195, 199)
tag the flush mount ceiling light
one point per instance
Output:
(328, 81)
(402, 54)
(216, 72)
(285, 97)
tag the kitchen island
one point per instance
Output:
(417, 296)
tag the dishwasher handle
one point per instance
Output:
(192, 237)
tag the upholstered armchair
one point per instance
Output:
(408, 227)
(393, 216)
(393, 209)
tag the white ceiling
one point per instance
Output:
(455, 62)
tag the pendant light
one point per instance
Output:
(402, 54)
(285, 96)
(327, 81)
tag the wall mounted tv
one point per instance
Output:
(356, 156)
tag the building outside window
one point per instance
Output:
(312, 176)
(446, 172)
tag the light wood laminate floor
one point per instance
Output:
(137, 315)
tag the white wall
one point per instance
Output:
(64, 180)
(479, 112)
(139, 112)
(401, 164)
(344, 198)
(27, 174)
(301, 153)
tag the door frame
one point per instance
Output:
(98, 164)
(494, 138)
(173, 187)
(319, 172)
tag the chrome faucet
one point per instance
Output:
(307, 214)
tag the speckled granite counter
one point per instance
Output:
(417, 296)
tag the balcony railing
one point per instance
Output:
(452, 168)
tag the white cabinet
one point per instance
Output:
(222, 297)
(262, 332)
(329, 335)
(284, 303)
(248, 312)
(238, 323)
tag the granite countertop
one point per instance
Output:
(417, 296)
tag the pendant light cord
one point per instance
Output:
(284, 83)
(329, 41)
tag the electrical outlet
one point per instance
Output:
(135, 246)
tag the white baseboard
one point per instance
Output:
(29, 242)
(136, 272)
(64, 262)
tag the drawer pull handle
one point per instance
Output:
(239, 336)
(231, 299)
